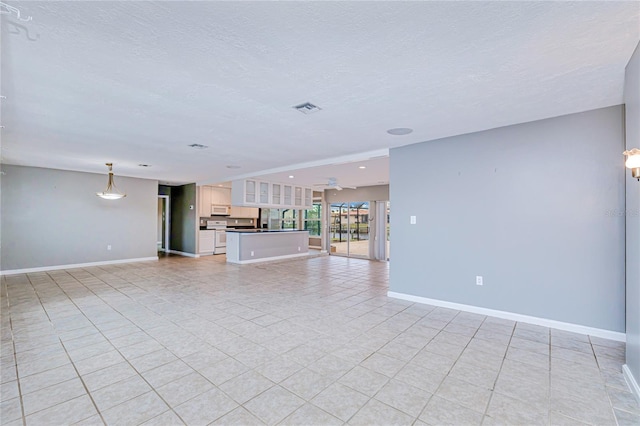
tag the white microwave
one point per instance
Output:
(217, 210)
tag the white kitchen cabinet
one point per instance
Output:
(205, 201)
(308, 198)
(213, 196)
(288, 192)
(298, 196)
(206, 242)
(255, 193)
(250, 191)
(276, 194)
(243, 212)
(263, 197)
(220, 196)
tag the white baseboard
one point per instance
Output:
(566, 326)
(182, 253)
(267, 259)
(631, 381)
(75, 265)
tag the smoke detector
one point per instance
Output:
(307, 108)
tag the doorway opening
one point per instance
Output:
(350, 229)
(163, 223)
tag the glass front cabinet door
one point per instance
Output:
(287, 195)
(264, 193)
(250, 191)
(276, 189)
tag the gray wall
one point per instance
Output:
(632, 109)
(271, 244)
(183, 219)
(530, 207)
(53, 217)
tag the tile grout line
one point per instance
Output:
(126, 282)
(65, 349)
(117, 350)
(15, 358)
(165, 348)
(611, 407)
(493, 387)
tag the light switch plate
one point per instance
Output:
(412, 220)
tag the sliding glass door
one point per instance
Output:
(349, 229)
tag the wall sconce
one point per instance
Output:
(111, 193)
(633, 162)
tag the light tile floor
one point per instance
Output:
(305, 342)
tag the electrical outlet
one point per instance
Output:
(251, 252)
(298, 248)
(412, 220)
(479, 280)
(109, 247)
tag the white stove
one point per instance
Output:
(220, 228)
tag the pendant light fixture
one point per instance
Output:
(111, 193)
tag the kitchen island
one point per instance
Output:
(262, 245)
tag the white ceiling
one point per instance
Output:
(136, 82)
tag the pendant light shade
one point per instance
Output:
(111, 193)
(633, 162)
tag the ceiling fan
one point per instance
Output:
(332, 183)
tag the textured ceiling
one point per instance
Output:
(136, 82)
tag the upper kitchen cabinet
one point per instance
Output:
(308, 197)
(244, 212)
(264, 193)
(204, 208)
(297, 201)
(256, 193)
(220, 196)
(276, 194)
(248, 192)
(288, 201)
(213, 196)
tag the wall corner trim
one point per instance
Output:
(75, 265)
(575, 328)
(631, 381)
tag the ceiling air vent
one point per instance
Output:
(307, 108)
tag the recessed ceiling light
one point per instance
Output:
(400, 131)
(198, 146)
(362, 167)
(233, 167)
(290, 176)
(144, 165)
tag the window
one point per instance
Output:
(288, 218)
(313, 220)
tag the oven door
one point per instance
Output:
(221, 241)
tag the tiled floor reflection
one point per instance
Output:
(304, 342)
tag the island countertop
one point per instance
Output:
(255, 231)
